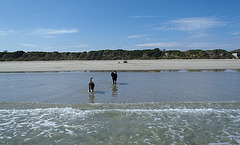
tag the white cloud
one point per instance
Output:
(144, 16)
(192, 24)
(187, 46)
(28, 45)
(55, 31)
(67, 48)
(4, 33)
(136, 36)
(235, 33)
(211, 45)
(49, 36)
(200, 45)
(77, 46)
(200, 36)
(168, 44)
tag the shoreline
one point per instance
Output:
(118, 65)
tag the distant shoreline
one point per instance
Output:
(110, 65)
(119, 54)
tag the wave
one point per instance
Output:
(91, 106)
(101, 125)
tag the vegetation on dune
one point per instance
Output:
(117, 55)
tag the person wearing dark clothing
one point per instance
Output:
(114, 77)
(91, 85)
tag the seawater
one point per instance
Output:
(143, 108)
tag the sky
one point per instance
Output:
(90, 25)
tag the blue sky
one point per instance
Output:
(86, 25)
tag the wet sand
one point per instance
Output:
(109, 65)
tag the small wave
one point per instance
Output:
(106, 125)
(91, 106)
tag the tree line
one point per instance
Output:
(118, 54)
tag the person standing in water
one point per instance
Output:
(91, 85)
(114, 77)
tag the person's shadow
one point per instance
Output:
(123, 84)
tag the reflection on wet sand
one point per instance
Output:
(91, 97)
(114, 90)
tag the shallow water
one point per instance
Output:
(132, 87)
(138, 123)
(143, 108)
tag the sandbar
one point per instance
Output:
(110, 65)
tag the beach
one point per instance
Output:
(50, 104)
(109, 65)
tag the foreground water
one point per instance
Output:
(143, 108)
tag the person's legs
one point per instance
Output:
(113, 81)
(92, 87)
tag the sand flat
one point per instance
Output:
(109, 65)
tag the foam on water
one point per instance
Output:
(141, 124)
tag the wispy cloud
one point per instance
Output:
(200, 45)
(210, 45)
(28, 45)
(136, 36)
(192, 24)
(67, 48)
(168, 44)
(9, 32)
(235, 33)
(49, 36)
(77, 46)
(186, 46)
(144, 16)
(55, 31)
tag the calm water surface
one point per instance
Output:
(132, 87)
(142, 108)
